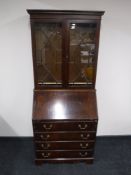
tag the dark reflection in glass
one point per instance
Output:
(48, 53)
(82, 53)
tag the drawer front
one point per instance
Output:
(64, 145)
(63, 126)
(63, 154)
(64, 136)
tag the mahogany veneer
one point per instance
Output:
(65, 50)
(64, 123)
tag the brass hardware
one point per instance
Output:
(84, 146)
(83, 154)
(45, 146)
(85, 137)
(47, 127)
(45, 155)
(44, 136)
(84, 127)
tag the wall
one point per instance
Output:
(16, 73)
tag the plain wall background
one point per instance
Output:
(114, 64)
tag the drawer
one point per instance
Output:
(63, 154)
(65, 126)
(64, 136)
(64, 145)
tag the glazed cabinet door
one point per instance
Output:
(83, 44)
(47, 53)
(65, 53)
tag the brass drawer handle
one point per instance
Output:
(83, 154)
(45, 155)
(85, 137)
(47, 127)
(84, 146)
(45, 146)
(84, 127)
(44, 136)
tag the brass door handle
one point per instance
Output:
(45, 155)
(82, 127)
(45, 146)
(85, 136)
(83, 154)
(47, 127)
(44, 137)
(84, 146)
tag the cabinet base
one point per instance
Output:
(86, 160)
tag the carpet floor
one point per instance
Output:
(112, 157)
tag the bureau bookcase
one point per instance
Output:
(65, 50)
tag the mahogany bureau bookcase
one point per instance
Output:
(65, 50)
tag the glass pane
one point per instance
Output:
(82, 53)
(48, 53)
